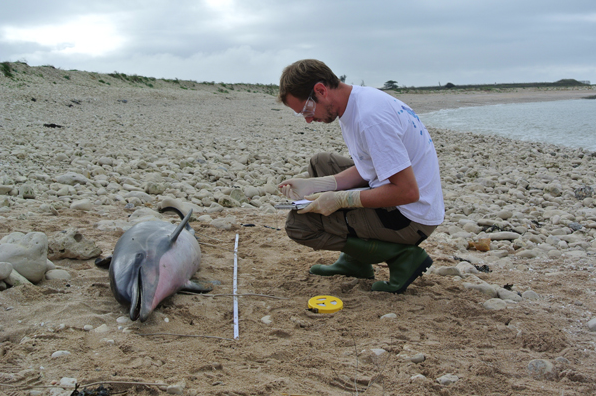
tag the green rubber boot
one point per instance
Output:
(345, 265)
(404, 268)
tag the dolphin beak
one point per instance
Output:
(143, 296)
(136, 298)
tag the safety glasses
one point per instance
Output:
(309, 107)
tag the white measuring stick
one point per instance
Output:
(235, 287)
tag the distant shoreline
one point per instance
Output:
(427, 102)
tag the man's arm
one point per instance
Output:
(402, 189)
(349, 178)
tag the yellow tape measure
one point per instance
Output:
(325, 304)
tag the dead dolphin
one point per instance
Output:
(151, 261)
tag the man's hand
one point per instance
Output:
(298, 188)
(330, 201)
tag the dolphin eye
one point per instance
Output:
(139, 257)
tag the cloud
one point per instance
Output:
(92, 35)
(415, 43)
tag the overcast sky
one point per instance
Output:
(416, 43)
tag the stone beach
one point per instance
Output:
(508, 306)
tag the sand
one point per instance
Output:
(187, 344)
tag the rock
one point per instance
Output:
(224, 224)
(592, 324)
(505, 294)
(26, 191)
(541, 369)
(143, 197)
(58, 274)
(448, 379)
(123, 320)
(583, 192)
(484, 288)
(251, 191)
(530, 295)
(267, 319)
(505, 214)
(378, 351)
(418, 358)
(495, 304)
(101, 329)
(58, 354)
(466, 268)
(71, 244)
(447, 271)
(16, 279)
(228, 202)
(575, 226)
(27, 253)
(5, 270)
(177, 389)
(482, 245)
(533, 253)
(72, 178)
(205, 219)
(389, 316)
(505, 235)
(68, 383)
(83, 204)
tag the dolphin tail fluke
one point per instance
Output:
(180, 227)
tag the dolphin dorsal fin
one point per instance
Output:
(180, 227)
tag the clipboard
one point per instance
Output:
(296, 205)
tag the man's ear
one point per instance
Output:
(321, 89)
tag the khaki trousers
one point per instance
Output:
(330, 232)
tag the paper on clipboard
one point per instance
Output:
(296, 205)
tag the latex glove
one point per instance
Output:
(330, 201)
(298, 188)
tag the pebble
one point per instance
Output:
(592, 324)
(123, 320)
(505, 294)
(83, 204)
(495, 304)
(378, 351)
(102, 329)
(447, 271)
(267, 319)
(58, 274)
(447, 379)
(530, 295)
(484, 288)
(418, 358)
(177, 389)
(68, 382)
(5, 270)
(541, 369)
(58, 354)
(389, 316)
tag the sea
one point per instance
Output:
(570, 123)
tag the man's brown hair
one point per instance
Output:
(299, 78)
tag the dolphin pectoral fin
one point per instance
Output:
(103, 262)
(197, 286)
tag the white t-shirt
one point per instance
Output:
(384, 136)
